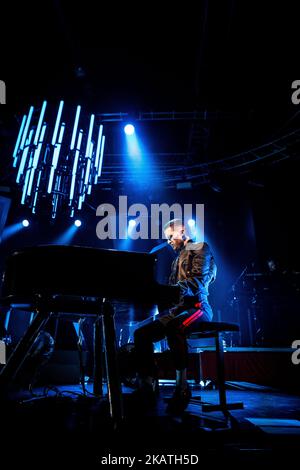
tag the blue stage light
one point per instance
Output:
(132, 223)
(24, 136)
(57, 122)
(34, 164)
(39, 126)
(74, 133)
(75, 164)
(99, 153)
(129, 129)
(77, 223)
(25, 223)
(24, 157)
(55, 157)
(66, 237)
(55, 165)
(19, 139)
(11, 230)
(191, 223)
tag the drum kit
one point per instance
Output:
(266, 304)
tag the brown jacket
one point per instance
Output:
(193, 270)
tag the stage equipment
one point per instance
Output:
(266, 305)
(58, 158)
(33, 281)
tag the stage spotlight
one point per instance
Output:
(129, 129)
(191, 223)
(77, 223)
(132, 223)
(25, 223)
(11, 230)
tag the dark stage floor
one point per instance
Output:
(67, 427)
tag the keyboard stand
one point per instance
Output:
(44, 309)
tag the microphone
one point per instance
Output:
(158, 247)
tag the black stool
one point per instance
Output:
(216, 330)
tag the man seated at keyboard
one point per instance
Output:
(192, 270)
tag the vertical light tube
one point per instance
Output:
(88, 165)
(89, 179)
(24, 157)
(19, 140)
(61, 104)
(80, 200)
(26, 127)
(51, 176)
(36, 157)
(89, 135)
(98, 151)
(101, 156)
(36, 191)
(75, 127)
(38, 129)
(28, 172)
(54, 205)
(25, 187)
(98, 145)
(55, 158)
(55, 198)
(74, 170)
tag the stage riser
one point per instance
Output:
(272, 368)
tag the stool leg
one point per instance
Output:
(199, 372)
(223, 405)
(221, 370)
(201, 369)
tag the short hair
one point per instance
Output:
(173, 223)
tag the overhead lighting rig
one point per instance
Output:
(58, 158)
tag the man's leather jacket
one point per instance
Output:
(193, 270)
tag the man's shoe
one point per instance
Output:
(180, 400)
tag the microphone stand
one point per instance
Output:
(236, 301)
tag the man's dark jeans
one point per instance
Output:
(176, 330)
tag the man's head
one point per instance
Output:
(174, 231)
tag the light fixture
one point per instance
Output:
(58, 161)
(129, 129)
